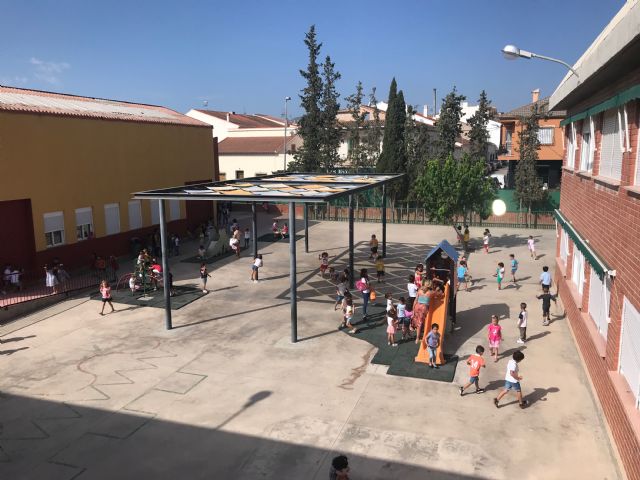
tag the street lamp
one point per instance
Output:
(511, 52)
(286, 121)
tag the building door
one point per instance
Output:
(16, 234)
(630, 348)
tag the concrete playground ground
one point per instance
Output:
(226, 395)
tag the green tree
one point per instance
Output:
(307, 158)
(417, 149)
(478, 134)
(330, 131)
(449, 125)
(374, 133)
(528, 185)
(356, 130)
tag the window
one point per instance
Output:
(577, 271)
(239, 173)
(174, 210)
(222, 177)
(588, 144)
(112, 218)
(509, 142)
(155, 212)
(571, 146)
(84, 223)
(599, 294)
(545, 135)
(630, 348)
(611, 149)
(54, 228)
(637, 182)
(564, 246)
(135, 215)
(261, 174)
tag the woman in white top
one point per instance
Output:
(366, 291)
(257, 263)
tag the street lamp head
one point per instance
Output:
(511, 52)
(286, 99)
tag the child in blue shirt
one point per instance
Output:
(433, 342)
(514, 267)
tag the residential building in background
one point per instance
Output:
(70, 165)
(597, 264)
(493, 129)
(549, 165)
(250, 145)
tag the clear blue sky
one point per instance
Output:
(245, 56)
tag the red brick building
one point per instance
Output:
(598, 223)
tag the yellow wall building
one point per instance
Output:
(74, 163)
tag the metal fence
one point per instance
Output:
(20, 287)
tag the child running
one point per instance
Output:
(485, 240)
(433, 342)
(499, 274)
(105, 293)
(348, 314)
(514, 268)
(512, 380)
(462, 276)
(204, 275)
(546, 298)
(475, 362)
(522, 323)
(373, 244)
(495, 337)
(324, 263)
(380, 268)
(531, 244)
(341, 289)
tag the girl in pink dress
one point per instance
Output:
(392, 322)
(419, 275)
(495, 337)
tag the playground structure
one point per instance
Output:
(441, 263)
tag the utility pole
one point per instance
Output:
(286, 121)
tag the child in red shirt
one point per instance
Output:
(475, 362)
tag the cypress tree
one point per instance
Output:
(330, 129)
(478, 135)
(449, 124)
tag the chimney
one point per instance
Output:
(535, 95)
(425, 110)
(227, 116)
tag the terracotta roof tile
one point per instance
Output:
(246, 121)
(525, 110)
(50, 103)
(252, 145)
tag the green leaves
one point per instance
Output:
(528, 186)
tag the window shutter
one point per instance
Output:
(630, 348)
(84, 216)
(135, 215)
(112, 218)
(637, 182)
(53, 222)
(155, 212)
(610, 151)
(598, 303)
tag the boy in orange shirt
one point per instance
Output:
(475, 362)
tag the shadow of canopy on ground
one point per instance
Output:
(47, 439)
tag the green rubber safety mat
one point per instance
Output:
(400, 359)
(184, 295)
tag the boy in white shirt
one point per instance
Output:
(512, 380)
(522, 323)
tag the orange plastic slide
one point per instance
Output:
(437, 314)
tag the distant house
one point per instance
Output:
(550, 135)
(250, 145)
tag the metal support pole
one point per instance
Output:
(384, 220)
(165, 267)
(254, 229)
(292, 272)
(351, 242)
(306, 227)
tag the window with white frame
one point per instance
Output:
(54, 228)
(112, 218)
(588, 143)
(174, 210)
(564, 246)
(545, 135)
(155, 212)
(599, 295)
(577, 270)
(571, 146)
(84, 223)
(135, 215)
(637, 179)
(612, 145)
(629, 363)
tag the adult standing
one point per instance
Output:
(365, 288)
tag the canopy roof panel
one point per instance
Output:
(290, 187)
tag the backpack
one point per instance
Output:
(361, 286)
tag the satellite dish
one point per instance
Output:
(499, 208)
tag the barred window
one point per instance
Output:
(545, 136)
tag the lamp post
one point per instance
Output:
(286, 121)
(511, 52)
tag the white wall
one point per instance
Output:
(221, 128)
(252, 164)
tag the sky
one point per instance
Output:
(245, 56)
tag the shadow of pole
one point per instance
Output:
(253, 399)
